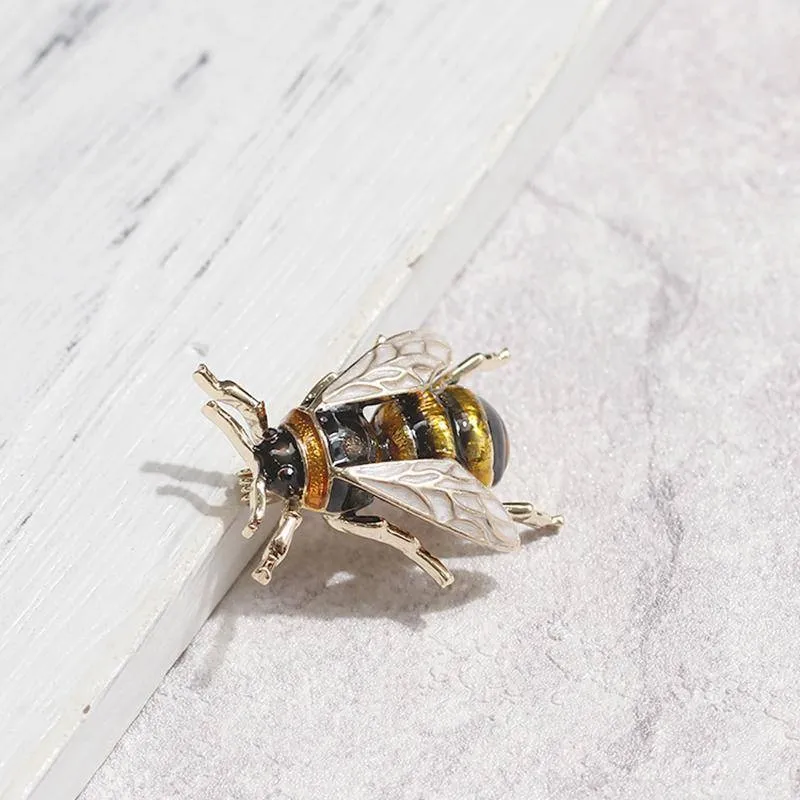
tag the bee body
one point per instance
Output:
(297, 457)
(394, 425)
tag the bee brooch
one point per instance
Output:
(394, 425)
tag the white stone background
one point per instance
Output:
(647, 284)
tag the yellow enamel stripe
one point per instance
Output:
(440, 432)
(391, 423)
(478, 449)
(315, 458)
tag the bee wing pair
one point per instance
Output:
(438, 490)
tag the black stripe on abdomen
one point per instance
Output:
(417, 424)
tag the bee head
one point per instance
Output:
(280, 462)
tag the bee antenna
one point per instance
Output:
(236, 434)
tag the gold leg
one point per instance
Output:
(526, 514)
(245, 484)
(259, 500)
(380, 530)
(246, 487)
(278, 545)
(476, 361)
(253, 411)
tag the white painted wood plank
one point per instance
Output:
(253, 184)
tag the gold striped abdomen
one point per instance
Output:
(453, 423)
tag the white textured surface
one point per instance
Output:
(254, 184)
(647, 285)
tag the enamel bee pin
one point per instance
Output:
(395, 425)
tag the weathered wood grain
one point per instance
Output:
(255, 185)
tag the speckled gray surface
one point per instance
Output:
(648, 285)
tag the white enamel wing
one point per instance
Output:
(442, 492)
(403, 363)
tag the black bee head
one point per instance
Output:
(281, 463)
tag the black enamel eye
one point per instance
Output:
(286, 473)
